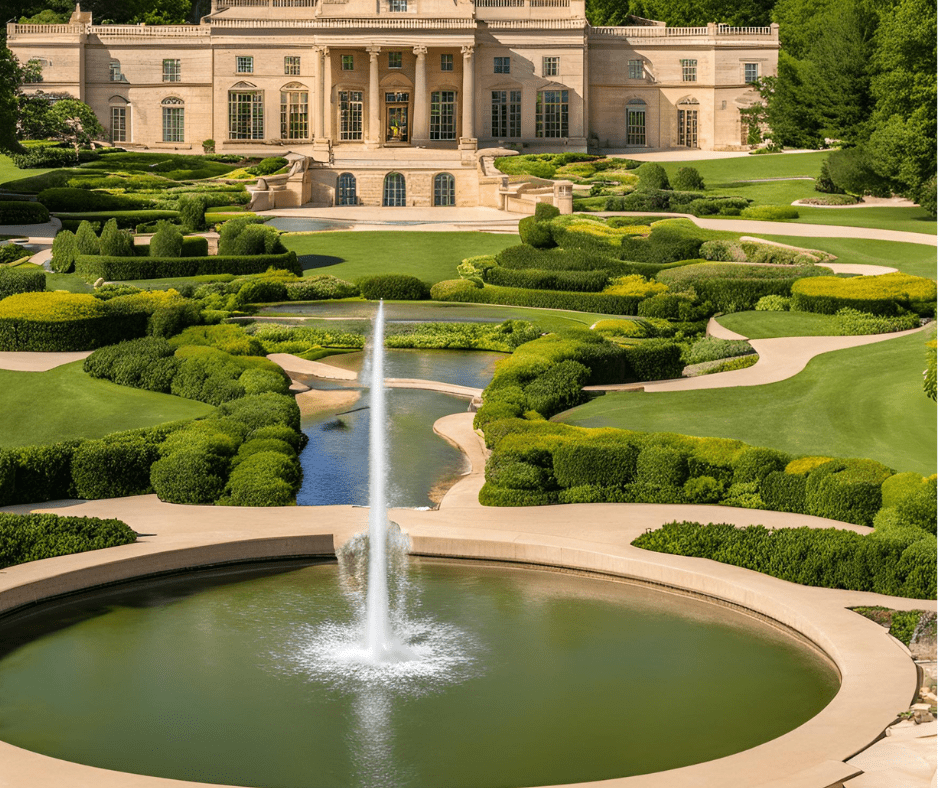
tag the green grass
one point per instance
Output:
(743, 168)
(763, 325)
(916, 259)
(911, 220)
(65, 403)
(73, 283)
(10, 172)
(431, 257)
(862, 402)
(356, 311)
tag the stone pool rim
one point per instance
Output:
(878, 677)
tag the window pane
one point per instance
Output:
(636, 69)
(292, 65)
(348, 63)
(750, 72)
(294, 125)
(394, 59)
(171, 71)
(689, 69)
(447, 62)
(506, 108)
(393, 193)
(444, 191)
(636, 127)
(173, 124)
(500, 65)
(443, 115)
(246, 115)
(398, 5)
(244, 65)
(550, 66)
(350, 115)
(118, 124)
(551, 113)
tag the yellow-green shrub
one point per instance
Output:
(635, 285)
(804, 465)
(880, 295)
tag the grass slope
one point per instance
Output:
(763, 325)
(862, 402)
(744, 168)
(430, 256)
(65, 403)
(910, 220)
(10, 172)
(916, 259)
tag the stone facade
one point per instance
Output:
(408, 86)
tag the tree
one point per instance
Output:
(73, 121)
(11, 78)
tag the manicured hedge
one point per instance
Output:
(654, 359)
(66, 199)
(193, 246)
(126, 220)
(21, 280)
(22, 212)
(64, 322)
(770, 213)
(465, 291)
(829, 558)
(32, 537)
(395, 287)
(880, 295)
(320, 287)
(117, 268)
(534, 279)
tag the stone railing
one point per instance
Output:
(376, 23)
(221, 5)
(149, 31)
(710, 31)
(14, 29)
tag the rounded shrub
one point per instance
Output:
(688, 179)
(754, 463)
(703, 489)
(167, 241)
(606, 465)
(393, 287)
(22, 212)
(192, 211)
(113, 468)
(846, 490)
(64, 252)
(260, 381)
(455, 290)
(21, 280)
(115, 242)
(266, 478)
(282, 433)
(538, 234)
(262, 410)
(652, 177)
(772, 303)
(86, 241)
(255, 445)
(188, 476)
(662, 465)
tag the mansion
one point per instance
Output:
(421, 87)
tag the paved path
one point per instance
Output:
(294, 364)
(780, 358)
(38, 362)
(36, 233)
(790, 228)
(362, 218)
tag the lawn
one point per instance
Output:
(916, 259)
(862, 402)
(911, 220)
(65, 403)
(351, 315)
(430, 256)
(10, 172)
(763, 325)
(746, 168)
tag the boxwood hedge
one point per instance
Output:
(32, 537)
(21, 280)
(22, 212)
(465, 291)
(117, 268)
(887, 294)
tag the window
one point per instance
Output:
(635, 69)
(34, 68)
(447, 62)
(393, 191)
(688, 123)
(244, 64)
(348, 62)
(119, 124)
(350, 117)
(551, 113)
(173, 120)
(443, 115)
(550, 66)
(444, 191)
(507, 113)
(398, 6)
(396, 98)
(292, 65)
(114, 69)
(346, 189)
(750, 73)
(689, 70)
(500, 65)
(246, 115)
(294, 117)
(636, 123)
(394, 59)
(171, 70)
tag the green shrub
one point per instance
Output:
(260, 480)
(558, 388)
(772, 303)
(259, 291)
(257, 239)
(296, 440)
(115, 242)
(465, 291)
(33, 537)
(672, 306)
(668, 242)
(263, 410)
(491, 495)
(754, 463)
(851, 322)
(920, 507)
(118, 268)
(392, 287)
(713, 206)
(259, 381)
(661, 465)
(86, 240)
(581, 463)
(712, 349)
(930, 374)
(126, 220)
(688, 179)
(783, 492)
(846, 490)
(64, 252)
(45, 157)
(110, 468)
(454, 290)
(230, 232)
(703, 489)
(770, 213)
(268, 166)
(188, 476)
(654, 359)
(580, 281)
(227, 338)
(167, 241)
(192, 212)
(652, 176)
(545, 212)
(638, 329)
(536, 233)
(255, 445)
(65, 200)
(21, 280)
(879, 295)
(146, 363)
(320, 287)
(22, 212)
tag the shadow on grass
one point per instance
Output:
(310, 262)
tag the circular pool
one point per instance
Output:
(524, 677)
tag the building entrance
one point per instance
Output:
(397, 123)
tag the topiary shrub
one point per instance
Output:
(282, 433)
(113, 468)
(188, 476)
(580, 463)
(654, 359)
(660, 465)
(167, 241)
(688, 179)
(703, 489)
(260, 381)
(64, 252)
(772, 303)
(722, 252)
(535, 233)
(115, 242)
(652, 177)
(146, 363)
(754, 463)
(192, 212)
(783, 492)
(558, 388)
(86, 241)
(21, 280)
(846, 490)
(263, 410)
(33, 537)
(320, 287)
(268, 166)
(257, 239)
(43, 473)
(393, 287)
(770, 213)
(22, 212)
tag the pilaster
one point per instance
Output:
(468, 140)
(419, 127)
(374, 132)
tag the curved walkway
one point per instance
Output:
(878, 677)
(780, 358)
(24, 361)
(746, 226)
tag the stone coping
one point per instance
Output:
(878, 677)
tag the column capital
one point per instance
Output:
(467, 51)
(321, 50)
(373, 51)
(420, 50)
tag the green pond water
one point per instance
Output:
(526, 677)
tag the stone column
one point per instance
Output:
(327, 113)
(318, 87)
(467, 135)
(374, 138)
(419, 126)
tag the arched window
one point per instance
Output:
(174, 121)
(393, 193)
(688, 123)
(114, 69)
(444, 191)
(346, 189)
(636, 122)
(245, 112)
(294, 115)
(120, 118)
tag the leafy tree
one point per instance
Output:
(73, 121)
